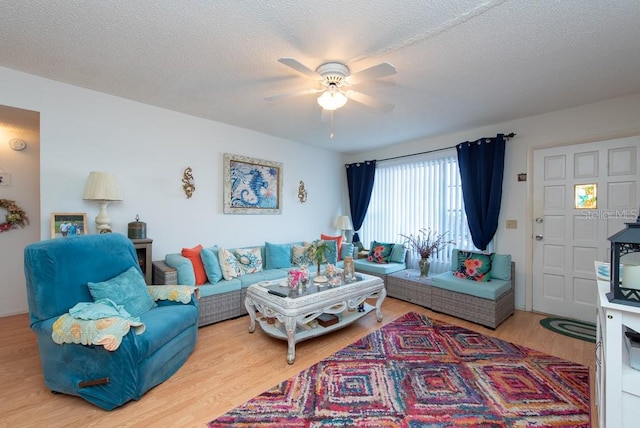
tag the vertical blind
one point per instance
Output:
(409, 195)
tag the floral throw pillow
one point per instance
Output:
(229, 264)
(380, 252)
(474, 266)
(250, 259)
(300, 255)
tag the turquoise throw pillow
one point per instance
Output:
(332, 253)
(211, 264)
(501, 267)
(277, 255)
(474, 266)
(347, 250)
(398, 253)
(127, 289)
(183, 265)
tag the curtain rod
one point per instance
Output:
(511, 135)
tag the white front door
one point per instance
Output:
(568, 234)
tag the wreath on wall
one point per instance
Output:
(15, 216)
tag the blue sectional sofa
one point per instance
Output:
(222, 299)
(397, 262)
(487, 303)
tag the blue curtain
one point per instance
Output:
(360, 178)
(481, 166)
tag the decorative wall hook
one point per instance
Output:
(302, 193)
(187, 179)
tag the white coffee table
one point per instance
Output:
(295, 311)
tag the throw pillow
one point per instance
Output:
(300, 255)
(331, 255)
(193, 254)
(229, 264)
(127, 289)
(347, 250)
(183, 266)
(398, 253)
(501, 267)
(211, 264)
(474, 266)
(278, 255)
(338, 240)
(380, 252)
(250, 259)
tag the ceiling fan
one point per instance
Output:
(334, 80)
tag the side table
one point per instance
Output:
(143, 250)
(408, 285)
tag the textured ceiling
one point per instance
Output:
(461, 64)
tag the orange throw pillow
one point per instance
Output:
(334, 238)
(193, 254)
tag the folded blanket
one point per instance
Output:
(95, 323)
(176, 293)
(101, 308)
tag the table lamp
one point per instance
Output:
(344, 223)
(103, 188)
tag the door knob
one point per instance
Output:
(539, 220)
(538, 237)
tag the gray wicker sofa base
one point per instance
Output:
(214, 308)
(409, 286)
(490, 313)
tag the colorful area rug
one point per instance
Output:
(417, 372)
(572, 328)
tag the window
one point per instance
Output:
(415, 193)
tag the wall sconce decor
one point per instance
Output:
(187, 179)
(302, 193)
(103, 188)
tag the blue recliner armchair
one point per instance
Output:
(57, 275)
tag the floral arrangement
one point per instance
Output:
(15, 216)
(426, 242)
(298, 277)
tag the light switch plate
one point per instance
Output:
(5, 178)
(512, 224)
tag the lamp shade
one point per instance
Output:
(102, 186)
(332, 99)
(343, 223)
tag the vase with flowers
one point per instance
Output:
(425, 243)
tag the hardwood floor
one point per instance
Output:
(228, 367)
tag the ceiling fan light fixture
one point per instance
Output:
(332, 99)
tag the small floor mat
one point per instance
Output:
(573, 328)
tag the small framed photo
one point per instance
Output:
(68, 224)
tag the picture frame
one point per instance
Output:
(68, 224)
(251, 186)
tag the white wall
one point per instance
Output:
(148, 148)
(593, 122)
(23, 188)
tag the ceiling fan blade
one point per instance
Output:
(293, 94)
(369, 101)
(300, 68)
(376, 72)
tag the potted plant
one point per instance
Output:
(317, 251)
(425, 243)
